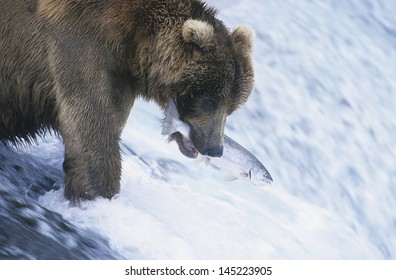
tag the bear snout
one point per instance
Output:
(208, 145)
(214, 151)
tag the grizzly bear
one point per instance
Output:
(76, 67)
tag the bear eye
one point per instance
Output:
(209, 105)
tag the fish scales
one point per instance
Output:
(236, 160)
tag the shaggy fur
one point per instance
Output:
(77, 66)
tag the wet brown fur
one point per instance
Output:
(76, 66)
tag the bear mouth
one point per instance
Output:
(185, 144)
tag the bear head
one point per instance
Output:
(217, 81)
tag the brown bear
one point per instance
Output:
(76, 66)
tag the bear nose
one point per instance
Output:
(215, 151)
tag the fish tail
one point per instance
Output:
(168, 125)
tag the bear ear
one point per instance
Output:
(242, 43)
(242, 38)
(198, 32)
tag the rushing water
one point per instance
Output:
(321, 119)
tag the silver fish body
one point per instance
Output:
(237, 161)
(240, 163)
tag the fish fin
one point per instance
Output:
(202, 159)
(206, 160)
(229, 178)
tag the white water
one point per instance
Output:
(321, 119)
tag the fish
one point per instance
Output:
(236, 160)
(172, 122)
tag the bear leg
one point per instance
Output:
(92, 163)
(92, 172)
